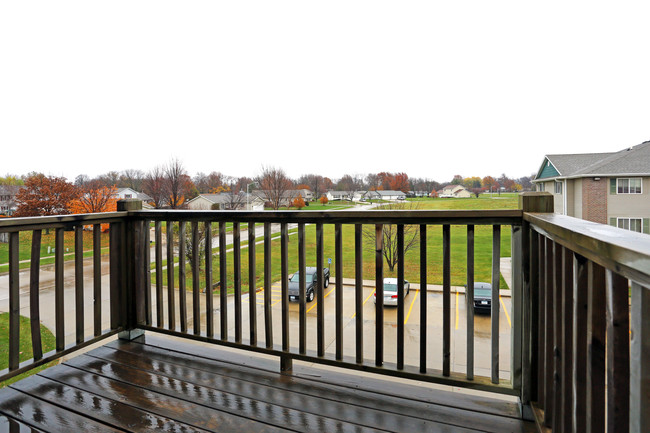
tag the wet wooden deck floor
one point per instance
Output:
(156, 384)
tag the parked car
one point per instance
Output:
(482, 297)
(390, 291)
(311, 280)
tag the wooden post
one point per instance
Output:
(530, 297)
(132, 280)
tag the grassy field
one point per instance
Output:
(484, 201)
(48, 342)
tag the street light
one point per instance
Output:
(247, 194)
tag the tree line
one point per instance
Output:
(170, 186)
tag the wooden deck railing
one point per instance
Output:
(569, 299)
(589, 308)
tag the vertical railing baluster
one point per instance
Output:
(268, 319)
(580, 309)
(446, 300)
(171, 307)
(115, 281)
(223, 280)
(34, 286)
(320, 296)
(557, 336)
(548, 327)
(541, 321)
(146, 270)
(159, 275)
(423, 298)
(469, 302)
(252, 283)
(182, 293)
(338, 257)
(14, 301)
(596, 335)
(141, 296)
(196, 280)
(284, 275)
(236, 259)
(496, 274)
(302, 291)
(209, 294)
(567, 339)
(358, 292)
(97, 279)
(379, 283)
(533, 305)
(516, 301)
(79, 283)
(618, 353)
(640, 356)
(400, 296)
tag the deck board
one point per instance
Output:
(160, 384)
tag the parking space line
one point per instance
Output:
(316, 303)
(411, 307)
(364, 303)
(505, 310)
(456, 309)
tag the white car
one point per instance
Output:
(390, 291)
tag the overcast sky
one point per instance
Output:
(429, 88)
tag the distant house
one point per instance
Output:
(412, 194)
(391, 195)
(226, 201)
(454, 191)
(365, 196)
(123, 193)
(8, 199)
(608, 188)
(339, 195)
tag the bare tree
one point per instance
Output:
(390, 250)
(132, 178)
(154, 186)
(276, 185)
(177, 183)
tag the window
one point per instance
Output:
(633, 224)
(628, 186)
(558, 187)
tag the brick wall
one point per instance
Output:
(594, 200)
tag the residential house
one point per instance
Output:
(8, 199)
(123, 193)
(226, 201)
(365, 196)
(608, 188)
(454, 191)
(412, 194)
(340, 195)
(391, 195)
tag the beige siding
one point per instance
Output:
(630, 205)
(200, 203)
(576, 198)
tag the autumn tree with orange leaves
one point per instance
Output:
(95, 197)
(298, 202)
(45, 195)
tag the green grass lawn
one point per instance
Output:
(484, 201)
(48, 342)
(482, 257)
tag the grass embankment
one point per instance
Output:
(458, 247)
(25, 345)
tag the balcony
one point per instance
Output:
(144, 346)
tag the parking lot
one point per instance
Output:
(482, 327)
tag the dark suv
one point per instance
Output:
(311, 279)
(483, 297)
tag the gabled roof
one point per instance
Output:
(631, 161)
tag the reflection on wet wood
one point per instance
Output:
(157, 384)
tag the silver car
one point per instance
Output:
(390, 291)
